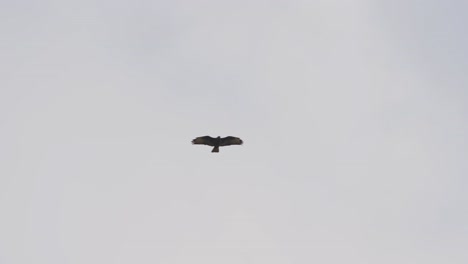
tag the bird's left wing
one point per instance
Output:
(231, 141)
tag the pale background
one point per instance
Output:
(354, 116)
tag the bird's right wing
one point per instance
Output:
(206, 140)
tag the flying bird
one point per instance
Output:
(217, 142)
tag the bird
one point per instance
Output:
(217, 142)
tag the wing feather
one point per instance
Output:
(231, 141)
(206, 140)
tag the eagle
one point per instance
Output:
(217, 142)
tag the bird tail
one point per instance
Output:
(215, 149)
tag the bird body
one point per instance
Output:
(217, 142)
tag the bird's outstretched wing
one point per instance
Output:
(206, 140)
(230, 141)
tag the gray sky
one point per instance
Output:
(353, 113)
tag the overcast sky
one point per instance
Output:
(354, 116)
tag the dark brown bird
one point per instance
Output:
(217, 142)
